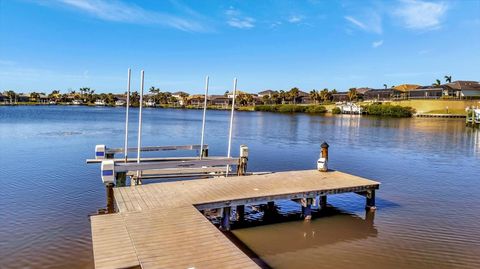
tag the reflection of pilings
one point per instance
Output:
(369, 216)
(333, 227)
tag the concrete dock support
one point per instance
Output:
(225, 225)
(110, 198)
(370, 200)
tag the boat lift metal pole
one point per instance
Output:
(126, 117)
(139, 143)
(231, 123)
(204, 116)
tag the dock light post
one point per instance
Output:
(323, 160)
(139, 142)
(126, 116)
(203, 120)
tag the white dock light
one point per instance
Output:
(100, 151)
(108, 171)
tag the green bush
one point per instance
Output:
(336, 110)
(288, 108)
(389, 110)
(315, 109)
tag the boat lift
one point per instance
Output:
(473, 117)
(114, 171)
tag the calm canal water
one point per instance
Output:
(428, 204)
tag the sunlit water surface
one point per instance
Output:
(428, 204)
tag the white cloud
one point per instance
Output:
(371, 22)
(235, 19)
(421, 15)
(295, 19)
(129, 13)
(377, 44)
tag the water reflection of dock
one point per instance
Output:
(161, 225)
(333, 227)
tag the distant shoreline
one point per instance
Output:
(424, 107)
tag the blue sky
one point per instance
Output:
(67, 44)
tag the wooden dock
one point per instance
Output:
(161, 226)
(440, 116)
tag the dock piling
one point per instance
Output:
(240, 212)
(225, 219)
(323, 202)
(307, 208)
(323, 160)
(371, 200)
(242, 164)
(110, 198)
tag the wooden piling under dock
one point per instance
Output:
(160, 225)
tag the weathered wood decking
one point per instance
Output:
(160, 226)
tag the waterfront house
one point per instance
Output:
(383, 94)
(120, 102)
(196, 100)
(219, 100)
(303, 98)
(77, 102)
(268, 93)
(340, 97)
(426, 92)
(463, 89)
(179, 96)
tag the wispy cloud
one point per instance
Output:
(421, 15)
(295, 19)
(118, 11)
(371, 22)
(377, 44)
(237, 20)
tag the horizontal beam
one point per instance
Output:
(155, 159)
(156, 148)
(169, 171)
(125, 167)
(287, 196)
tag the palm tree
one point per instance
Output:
(293, 93)
(282, 95)
(266, 99)
(437, 83)
(448, 79)
(325, 95)
(352, 94)
(34, 96)
(184, 97)
(314, 95)
(11, 95)
(385, 85)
